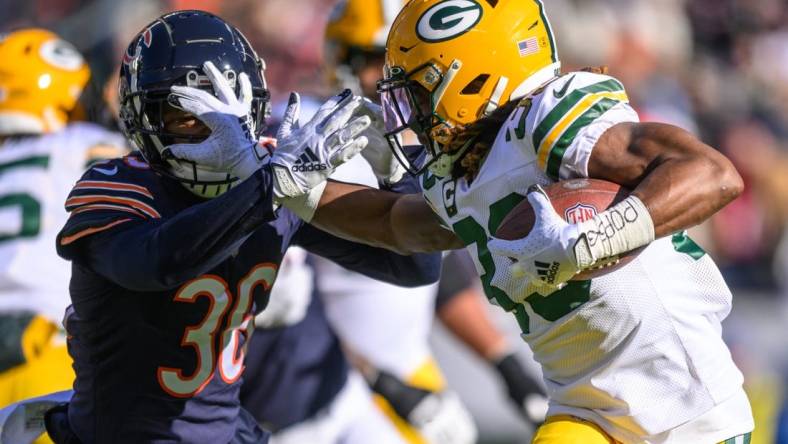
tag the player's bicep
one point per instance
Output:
(618, 159)
(627, 152)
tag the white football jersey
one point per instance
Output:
(36, 175)
(637, 351)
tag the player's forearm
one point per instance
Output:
(400, 223)
(681, 180)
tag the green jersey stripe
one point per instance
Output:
(741, 439)
(558, 150)
(565, 105)
(38, 161)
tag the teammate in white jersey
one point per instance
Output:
(41, 156)
(635, 356)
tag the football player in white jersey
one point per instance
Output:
(633, 356)
(41, 156)
(386, 328)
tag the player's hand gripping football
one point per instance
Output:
(549, 256)
(230, 147)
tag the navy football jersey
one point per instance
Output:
(164, 286)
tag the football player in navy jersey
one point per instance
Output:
(175, 247)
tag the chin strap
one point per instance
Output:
(444, 164)
(495, 98)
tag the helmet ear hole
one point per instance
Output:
(475, 85)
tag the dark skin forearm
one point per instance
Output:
(681, 180)
(403, 223)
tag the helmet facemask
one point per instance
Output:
(409, 103)
(148, 117)
(171, 51)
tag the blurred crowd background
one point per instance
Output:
(718, 68)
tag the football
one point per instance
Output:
(576, 201)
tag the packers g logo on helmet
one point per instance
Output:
(450, 63)
(61, 54)
(447, 20)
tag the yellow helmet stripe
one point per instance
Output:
(588, 110)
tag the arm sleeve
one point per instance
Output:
(405, 271)
(155, 253)
(568, 118)
(459, 274)
(407, 185)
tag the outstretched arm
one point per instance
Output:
(403, 223)
(681, 180)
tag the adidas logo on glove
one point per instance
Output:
(308, 162)
(547, 271)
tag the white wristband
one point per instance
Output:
(617, 230)
(304, 206)
(284, 185)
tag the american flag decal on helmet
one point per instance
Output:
(528, 46)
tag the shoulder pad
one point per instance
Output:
(126, 184)
(110, 193)
(563, 108)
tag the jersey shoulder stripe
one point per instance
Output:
(83, 201)
(568, 106)
(110, 194)
(67, 240)
(112, 185)
(101, 185)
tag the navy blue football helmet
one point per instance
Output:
(171, 51)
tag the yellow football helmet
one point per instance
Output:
(357, 32)
(452, 62)
(41, 80)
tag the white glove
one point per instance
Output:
(378, 154)
(547, 258)
(230, 147)
(306, 156)
(441, 418)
